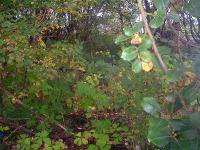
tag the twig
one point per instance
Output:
(148, 31)
(182, 101)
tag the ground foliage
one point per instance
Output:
(85, 75)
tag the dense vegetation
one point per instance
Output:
(99, 74)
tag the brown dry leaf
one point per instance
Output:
(147, 66)
(188, 82)
(190, 75)
(136, 39)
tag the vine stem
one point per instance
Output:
(148, 31)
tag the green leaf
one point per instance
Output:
(121, 38)
(195, 119)
(164, 50)
(78, 141)
(161, 4)
(177, 124)
(129, 53)
(130, 31)
(196, 66)
(146, 55)
(190, 94)
(158, 19)
(159, 132)
(47, 141)
(102, 140)
(101, 143)
(146, 44)
(151, 106)
(84, 141)
(193, 7)
(174, 75)
(171, 98)
(92, 147)
(137, 66)
(189, 134)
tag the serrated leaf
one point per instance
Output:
(159, 132)
(151, 106)
(130, 31)
(121, 38)
(137, 66)
(129, 53)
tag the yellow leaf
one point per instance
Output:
(136, 39)
(147, 66)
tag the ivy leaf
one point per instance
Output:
(151, 106)
(121, 38)
(137, 66)
(129, 53)
(159, 132)
(130, 31)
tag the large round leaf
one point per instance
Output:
(196, 66)
(137, 66)
(130, 31)
(195, 119)
(146, 55)
(151, 106)
(158, 19)
(121, 38)
(146, 44)
(193, 7)
(190, 94)
(129, 53)
(161, 3)
(159, 132)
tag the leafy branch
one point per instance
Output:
(148, 31)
